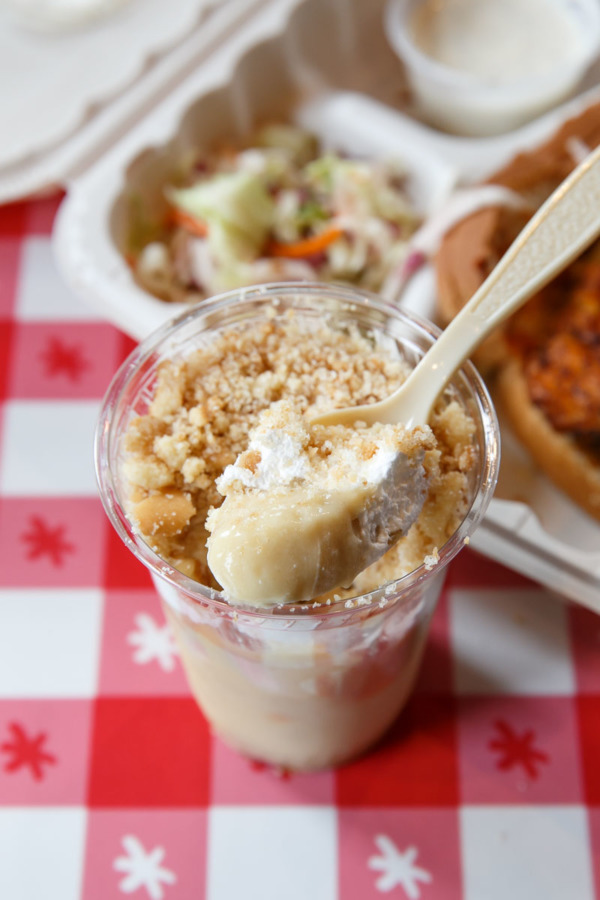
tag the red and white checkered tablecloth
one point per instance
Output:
(111, 785)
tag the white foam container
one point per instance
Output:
(325, 63)
(464, 103)
(63, 75)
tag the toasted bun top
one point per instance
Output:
(573, 466)
(470, 250)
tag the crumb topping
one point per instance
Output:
(205, 405)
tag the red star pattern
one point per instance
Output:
(62, 359)
(278, 771)
(26, 752)
(517, 749)
(44, 540)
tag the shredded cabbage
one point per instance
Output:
(278, 191)
(237, 209)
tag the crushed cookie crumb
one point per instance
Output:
(205, 405)
(432, 559)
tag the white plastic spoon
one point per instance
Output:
(267, 549)
(560, 230)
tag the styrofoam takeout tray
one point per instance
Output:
(326, 64)
(95, 63)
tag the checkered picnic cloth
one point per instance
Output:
(111, 784)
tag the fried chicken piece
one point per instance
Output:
(564, 381)
(557, 336)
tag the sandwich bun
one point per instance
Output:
(543, 364)
(473, 246)
(567, 463)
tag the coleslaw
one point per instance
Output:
(278, 208)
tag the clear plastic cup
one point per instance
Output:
(309, 686)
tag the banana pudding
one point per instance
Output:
(220, 403)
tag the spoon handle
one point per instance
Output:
(561, 229)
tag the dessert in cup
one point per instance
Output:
(218, 402)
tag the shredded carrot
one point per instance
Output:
(189, 222)
(307, 247)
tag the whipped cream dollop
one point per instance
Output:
(278, 455)
(309, 507)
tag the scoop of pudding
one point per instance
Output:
(309, 507)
